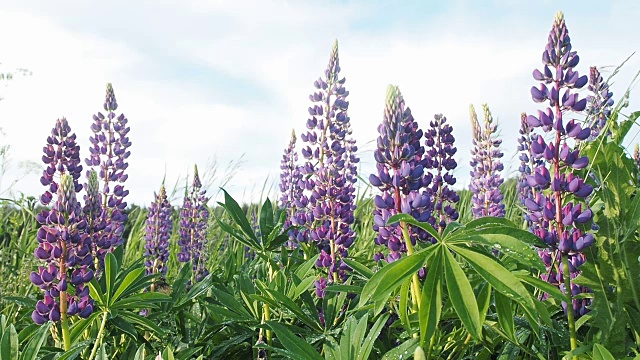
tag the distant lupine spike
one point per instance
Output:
(329, 199)
(290, 189)
(96, 217)
(194, 222)
(485, 177)
(439, 161)
(158, 232)
(400, 176)
(66, 250)
(109, 152)
(527, 163)
(62, 156)
(558, 209)
(599, 103)
(636, 157)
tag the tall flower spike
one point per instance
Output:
(599, 104)
(62, 155)
(194, 223)
(157, 234)
(485, 176)
(527, 163)
(66, 251)
(290, 188)
(636, 157)
(400, 176)
(558, 209)
(96, 218)
(330, 172)
(439, 151)
(109, 152)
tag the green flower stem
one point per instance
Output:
(415, 282)
(570, 319)
(98, 342)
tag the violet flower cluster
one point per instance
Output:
(159, 227)
(194, 220)
(330, 170)
(599, 103)
(66, 250)
(109, 151)
(439, 151)
(400, 163)
(527, 163)
(291, 190)
(636, 158)
(485, 183)
(62, 155)
(558, 211)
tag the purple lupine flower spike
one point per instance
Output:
(439, 151)
(158, 231)
(600, 103)
(400, 176)
(62, 155)
(527, 163)
(329, 170)
(109, 152)
(290, 189)
(194, 222)
(66, 250)
(96, 217)
(485, 176)
(636, 158)
(558, 208)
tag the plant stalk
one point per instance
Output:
(570, 317)
(98, 342)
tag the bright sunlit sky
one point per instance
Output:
(205, 79)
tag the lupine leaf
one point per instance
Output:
(461, 295)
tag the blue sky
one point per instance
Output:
(205, 79)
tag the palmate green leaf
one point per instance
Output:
(484, 301)
(30, 351)
(129, 279)
(372, 335)
(140, 353)
(411, 220)
(391, 276)
(431, 298)
(78, 327)
(9, 344)
(552, 290)
(461, 295)
(403, 306)
(253, 244)
(293, 343)
(145, 323)
(125, 327)
(239, 217)
(500, 278)
(278, 299)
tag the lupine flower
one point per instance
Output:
(109, 152)
(157, 234)
(636, 157)
(400, 176)
(439, 160)
(66, 251)
(329, 169)
(527, 162)
(96, 217)
(559, 209)
(485, 176)
(62, 155)
(290, 189)
(599, 103)
(194, 220)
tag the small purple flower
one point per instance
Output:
(194, 222)
(158, 231)
(109, 151)
(485, 176)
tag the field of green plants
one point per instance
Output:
(399, 264)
